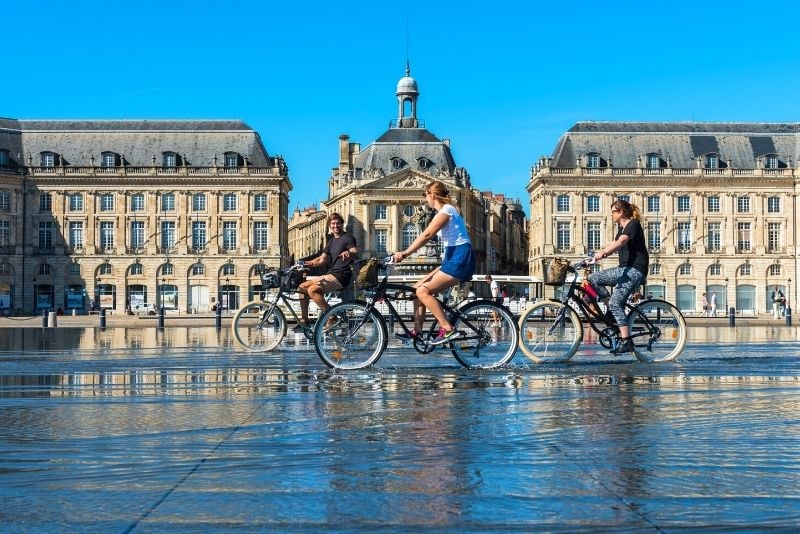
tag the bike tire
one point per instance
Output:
(550, 332)
(658, 330)
(484, 342)
(253, 331)
(358, 339)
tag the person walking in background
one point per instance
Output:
(704, 304)
(712, 310)
(494, 289)
(776, 296)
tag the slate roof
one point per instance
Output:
(741, 144)
(138, 140)
(408, 144)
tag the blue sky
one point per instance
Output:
(502, 80)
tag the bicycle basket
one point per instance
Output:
(293, 280)
(270, 280)
(368, 274)
(555, 271)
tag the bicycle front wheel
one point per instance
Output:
(487, 335)
(350, 336)
(258, 328)
(658, 330)
(550, 332)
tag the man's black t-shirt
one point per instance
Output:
(339, 267)
(634, 253)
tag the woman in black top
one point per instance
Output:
(633, 265)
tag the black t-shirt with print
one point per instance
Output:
(339, 267)
(634, 253)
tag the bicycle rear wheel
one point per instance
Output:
(658, 330)
(488, 336)
(255, 331)
(550, 332)
(348, 336)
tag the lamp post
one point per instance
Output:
(227, 293)
(664, 285)
(788, 310)
(161, 308)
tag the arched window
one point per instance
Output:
(136, 269)
(198, 269)
(410, 233)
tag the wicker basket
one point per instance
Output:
(555, 271)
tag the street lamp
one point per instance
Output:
(664, 286)
(227, 293)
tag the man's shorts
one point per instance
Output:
(327, 282)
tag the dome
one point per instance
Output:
(407, 84)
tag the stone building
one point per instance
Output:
(122, 214)
(718, 204)
(379, 191)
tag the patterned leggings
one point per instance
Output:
(624, 280)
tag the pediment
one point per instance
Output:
(407, 180)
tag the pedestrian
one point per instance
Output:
(776, 297)
(339, 253)
(712, 311)
(494, 289)
(704, 303)
(634, 261)
(458, 264)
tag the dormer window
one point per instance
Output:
(108, 159)
(48, 159)
(4, 159)
(423, 163)
(170, 159)
(231, 159)
(712, 161)
(397, 163)
(771, 161)
(653, 161)
(593, 160)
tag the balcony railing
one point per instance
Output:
(170, 249)
(74, 250)
(198, 250)
(135, 250)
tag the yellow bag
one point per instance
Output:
(556, 272)
(368, 274)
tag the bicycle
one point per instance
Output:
(552, 331)
(260, 325)
(354, 335)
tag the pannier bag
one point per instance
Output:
(368, 274)
(555, 273)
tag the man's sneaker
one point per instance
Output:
(625, 345)
(407, 337)
(444, 337)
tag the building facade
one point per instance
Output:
(117, 215)
(718, 204)
(379, 191)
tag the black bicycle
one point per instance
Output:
(552, 331)
(260, 325)
(354, 335)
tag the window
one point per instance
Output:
(593, 204)
(74, 269)
(44, 269)
(713, 204)
(170, 159)
(684, 203)
(381, 239)
(409, 234)
(712, 161)
(562, 203)
(743, 204)
(563, 236)
(108, 159)
(167, 269)
(260, 202)
(626, 198)
(593, 236)
(655, 268)
(137, 269)
(408, 210)
(167, 234)
(198, 269)
(744, 240)
(684, 236)
(106, 202)
(45, 235)
(260, 235)
(106, 234)
(593, 160)
(654, 236)
(715, 269)
(76, 202)
(380, 211)
(198, 235)
(168, 202)
(5, 233)
(5, 201)
(653, 161)
(105, 268)
(230, 202)
(685, 269)
(745, 269)
(48, 159)
(774, 205)
(231, 159)
(228, 269)
(714, 236)
(45, 202)
(654, 203)
(4, 160)
(137, 234)
(774, 236)
(229, 235)
(76, 234)
(774, 270)
(771, 162)
(137, 202)
(199, 202)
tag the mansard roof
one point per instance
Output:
(197, 141)
(682, 143)
(407, 145)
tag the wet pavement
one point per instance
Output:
(141, 430)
